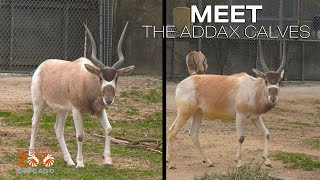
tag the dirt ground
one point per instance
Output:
(15, 91)
(299, 102)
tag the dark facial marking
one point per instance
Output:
(109, 73)
(109, 92)
(273, 77)
(273, 91)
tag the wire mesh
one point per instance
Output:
(234, 55)
(32, 31)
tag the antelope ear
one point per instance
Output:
(125, 71)
(259, 73)
(93, 70)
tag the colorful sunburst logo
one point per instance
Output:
(47, 160)
(33, 160)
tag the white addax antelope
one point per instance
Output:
(196, 63)
(218, 96)
(80, 86)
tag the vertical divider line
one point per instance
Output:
(164, 55)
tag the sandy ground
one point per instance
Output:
(14, 92)
(298, 102)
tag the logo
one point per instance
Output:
(33, 160)
(28, 163)
(47, 160)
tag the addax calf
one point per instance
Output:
(80, 86)
(217, 96)
(196, 63)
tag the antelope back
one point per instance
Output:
(196, 63)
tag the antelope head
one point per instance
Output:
(272, 78)
(108, 75)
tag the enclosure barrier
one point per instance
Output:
(239, 54)
(33, 31)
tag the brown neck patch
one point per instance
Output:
(109, 73)
(262, 105)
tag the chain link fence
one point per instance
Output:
(239, 54)
(32, 31)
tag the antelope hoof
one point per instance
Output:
(239, 164)
(107, 161)
(80, 166)
(70, 163)
(268, 163)
(209, 163)
(109, 166)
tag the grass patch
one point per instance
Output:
(22, 118)
(138, 153)
(247, 172)
(5, 114)
(313, 143)
(90, 171)
(10, 157)
(150, 126)
(29, 103)
(298, 160)
(300, 123)
(136, 93)
(283, 110)
(228, 120)
(153, 95)
(22, 142)
(132, 111)
(124, 94)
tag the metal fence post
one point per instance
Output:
(302, 63)
(110, 40)
(200, 39)
(66, 30)
(101, 14)
(11, 37)
(108, 31)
